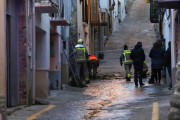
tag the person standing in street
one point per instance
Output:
(82, 58)
(138, 57)
(167, 60)
(93, 64)
(156, 54)
(125, 58)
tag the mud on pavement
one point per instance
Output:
(106, 92)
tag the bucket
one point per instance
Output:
(101, 55)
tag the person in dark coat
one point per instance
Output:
(156, 54)
(167, 60)
(138, 57)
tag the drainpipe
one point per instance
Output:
(33, 52)
(27, 71)
(173, 40)
(30, 52)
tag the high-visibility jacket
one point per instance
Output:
(126, 57)
(81, 54)
(145, 67)
(92, 57)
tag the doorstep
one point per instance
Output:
(13, 109)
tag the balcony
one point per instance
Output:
(169, 4)
(94, 14)
(111, 6)
(59, 21)
(47, 6)
(104, 17)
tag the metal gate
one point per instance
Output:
(12, 53)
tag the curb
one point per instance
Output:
(13, 109)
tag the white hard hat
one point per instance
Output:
(80, 41)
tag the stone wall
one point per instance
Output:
(3, 103)
(174, 113)
(22, 53)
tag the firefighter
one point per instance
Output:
(125, 58)
(92, 65)
(145, 69)
(82, 58)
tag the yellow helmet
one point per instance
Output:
(80, 41)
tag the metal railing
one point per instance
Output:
(55, 3)
(94, 12)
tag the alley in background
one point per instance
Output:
(135, 27)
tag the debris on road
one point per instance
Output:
(41, 101)
(114, 76)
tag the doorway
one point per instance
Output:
(12, 50)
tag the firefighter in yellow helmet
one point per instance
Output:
(81, 59)
(125, 58)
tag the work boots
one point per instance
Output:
(128, 79)
(87, 82)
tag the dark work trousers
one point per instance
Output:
(92, 65)
(152, 74)
(169, 71)
(138, 68)
(157, 71)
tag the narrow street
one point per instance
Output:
(110, 97)
(135, 27)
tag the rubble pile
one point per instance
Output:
(114, 76)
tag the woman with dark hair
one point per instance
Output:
(156, 54)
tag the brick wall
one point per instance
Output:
(3, 103)
(22, 53)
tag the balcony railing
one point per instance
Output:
(47, 6)
(57, 20)
(104, 17)
(94, 19)
(169, 4)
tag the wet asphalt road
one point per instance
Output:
(113, 99)
(121, 100)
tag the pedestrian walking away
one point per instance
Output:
(156, 54)
(82, 58)
(167, 61)
(93, 64)
(138, 57)
(125, 58)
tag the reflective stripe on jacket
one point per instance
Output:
(145, 67)
(92, 57)
(126, 55)
(80, 53)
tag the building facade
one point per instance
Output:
(33, 35)
(169, 24)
